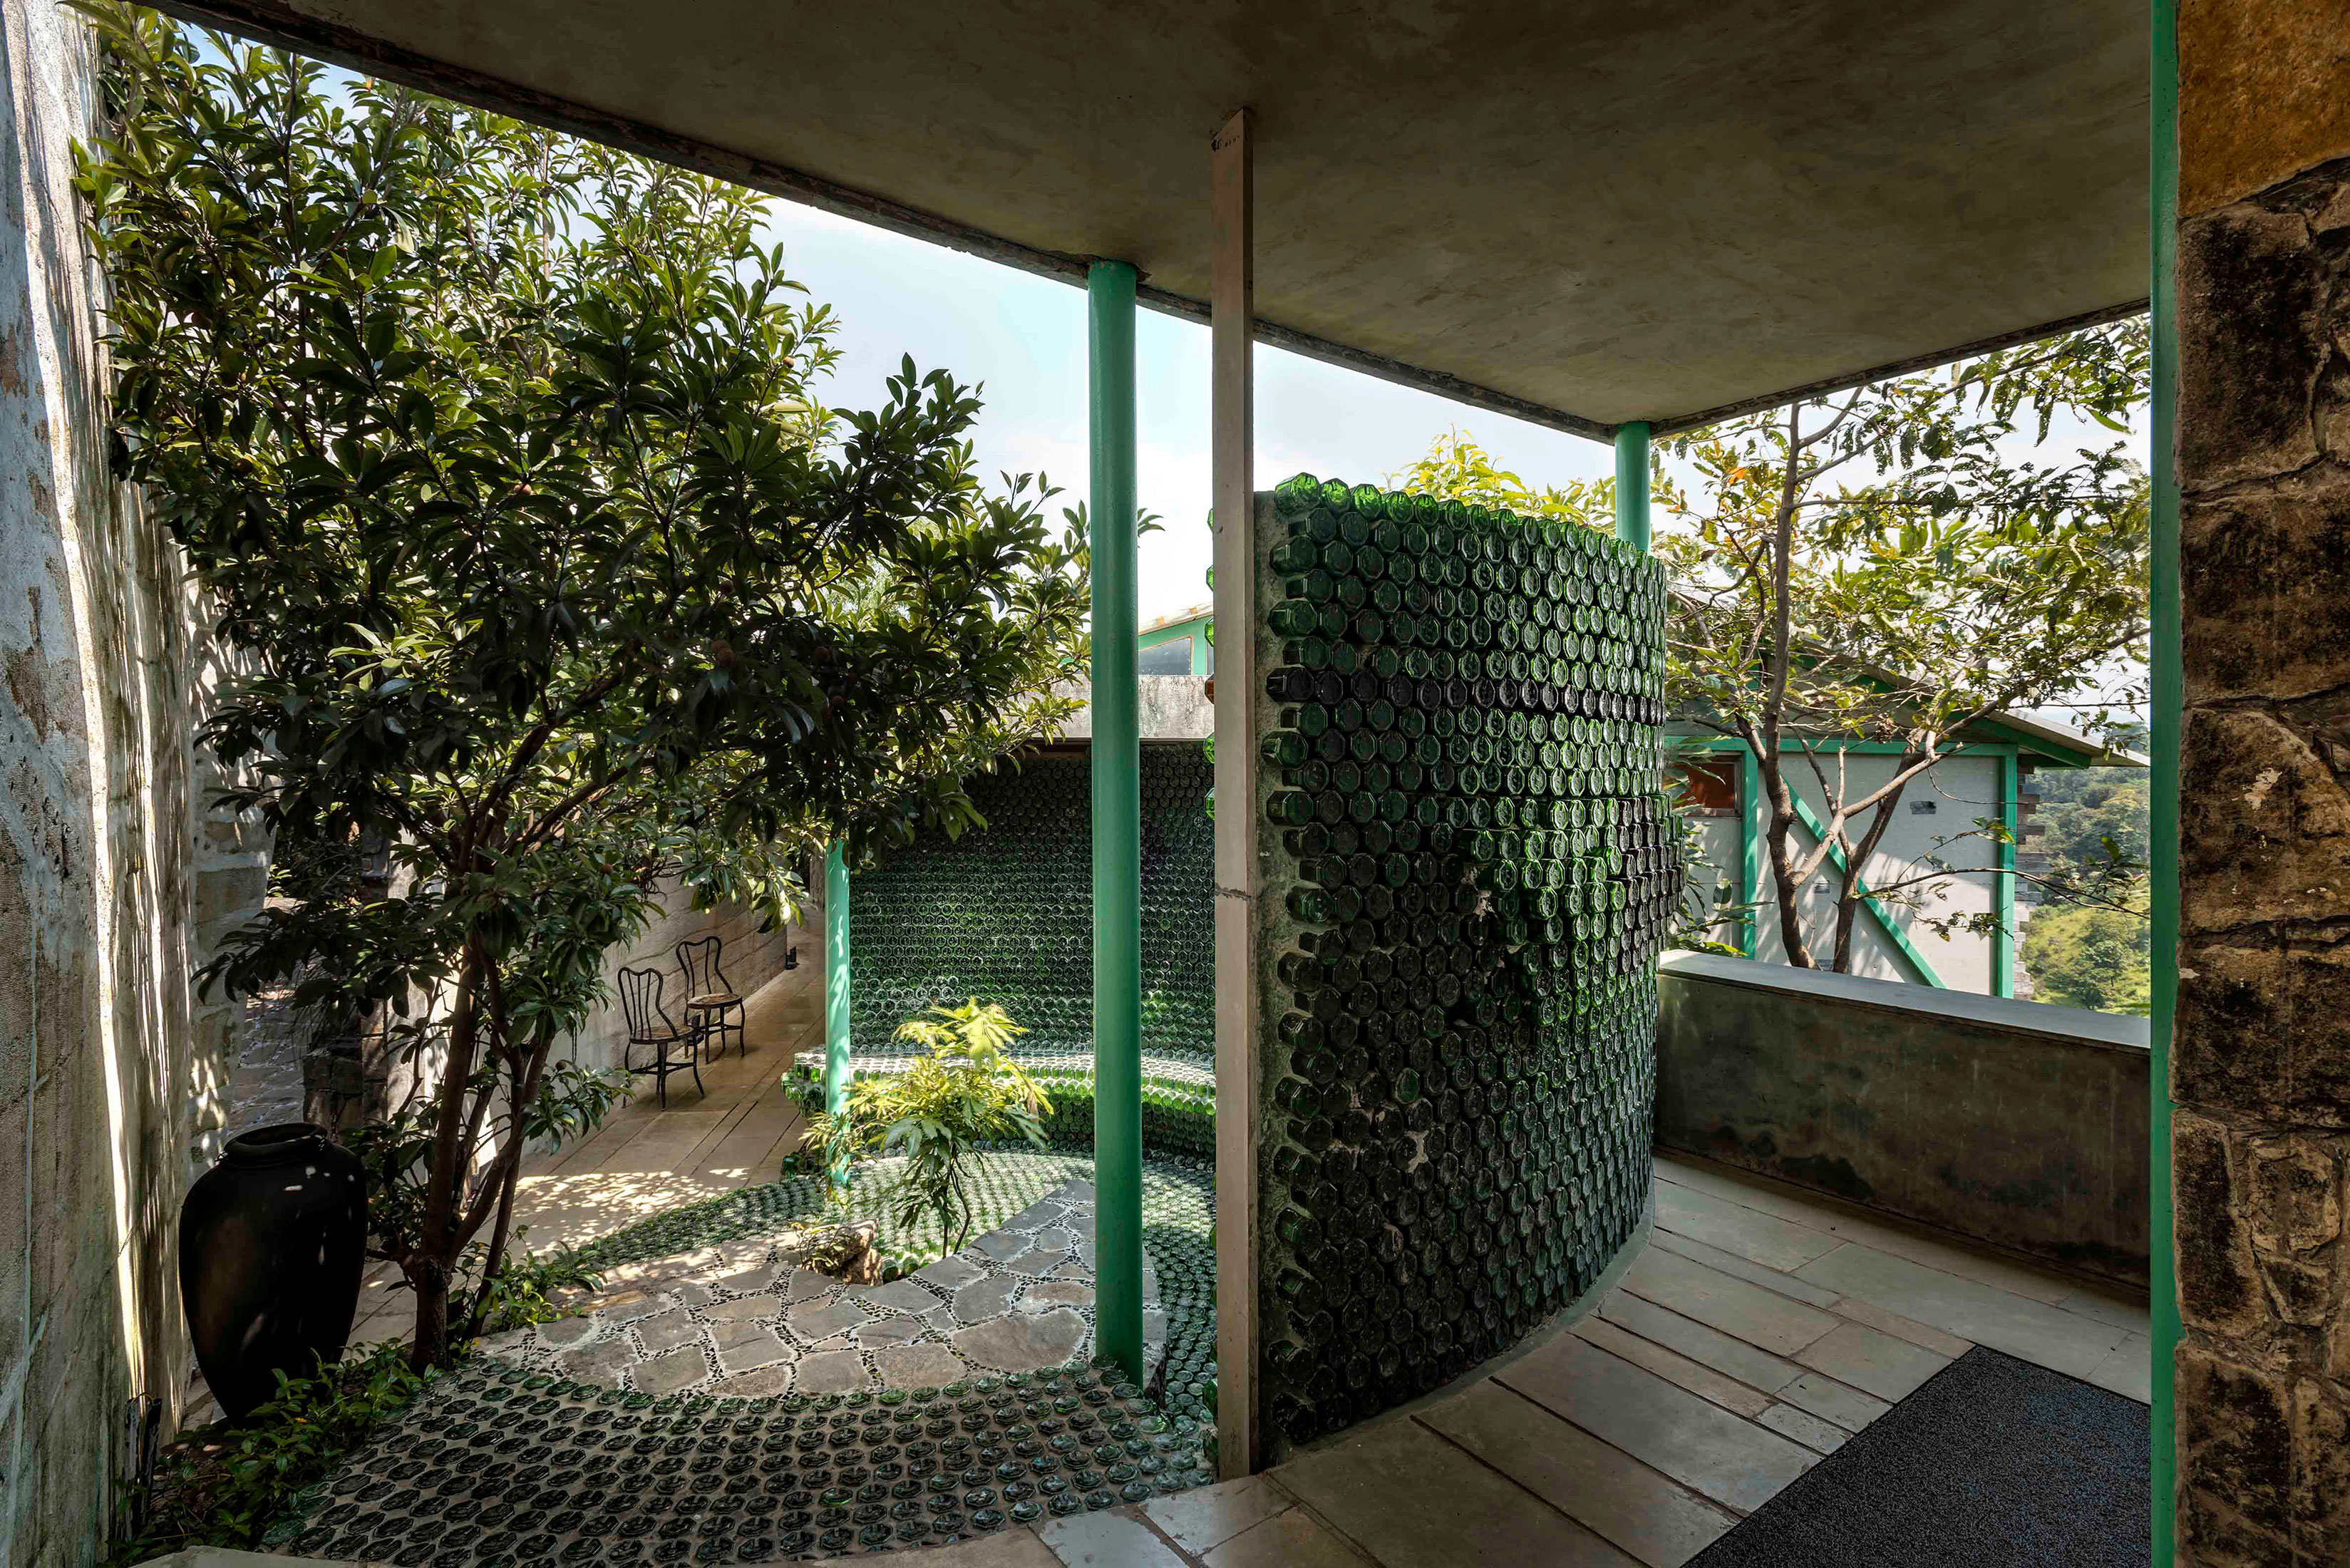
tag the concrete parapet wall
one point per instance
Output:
(2011, 1123)
(1169, 708)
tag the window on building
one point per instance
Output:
(1172, 657)
(1710, 786)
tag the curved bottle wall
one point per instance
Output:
(1469, 869)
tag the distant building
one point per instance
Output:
(1176, 644)
(1986, 776)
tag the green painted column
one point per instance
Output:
(1632, 483)
(2003, 958)
(2166, 692)
(1118, 828)
(835, 981)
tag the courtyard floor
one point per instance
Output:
(1758, 1331)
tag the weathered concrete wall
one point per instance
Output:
(110, 876)
(1169, 708)
(2012, 1123)
(2261, 1052)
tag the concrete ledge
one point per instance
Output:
(2009, 1123)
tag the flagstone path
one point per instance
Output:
(744, 1318)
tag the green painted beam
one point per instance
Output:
(2047, 751)
(1863, 748)
(1632, 483)
(1884, 920)
(836, 983)
(2167, 688)
(1117, 824)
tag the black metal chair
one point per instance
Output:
(652, 1037)
(710, 999)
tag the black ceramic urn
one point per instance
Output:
(271, 1240)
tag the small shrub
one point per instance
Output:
(938, 1112)
(525, 1290)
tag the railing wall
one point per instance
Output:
(2011, 1123)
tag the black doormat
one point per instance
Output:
(1993, 1462)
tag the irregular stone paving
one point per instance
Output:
(742, 1318)
(504, 1467)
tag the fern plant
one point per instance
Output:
(966, 1092)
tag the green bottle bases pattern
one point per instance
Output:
(1477, 867)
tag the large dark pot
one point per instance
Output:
(271, 1240)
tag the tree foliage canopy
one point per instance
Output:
(1456, 468)
(500, 455)
(1899, 563)
(2090, 957)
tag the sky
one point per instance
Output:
(1023, 339)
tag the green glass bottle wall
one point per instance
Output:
(1006, 914)
(1470, 868)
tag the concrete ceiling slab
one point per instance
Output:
(1580, 212)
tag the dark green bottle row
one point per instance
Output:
(1463, 781)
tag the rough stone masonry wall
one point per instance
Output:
(111, 878)
(2261, 1059)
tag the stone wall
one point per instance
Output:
(111, 1078)
(2261, 1055)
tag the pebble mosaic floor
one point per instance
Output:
(715, 1403)
(701, 1243)
(503, 1467)
(1020, 1298)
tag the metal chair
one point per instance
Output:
(710, 999)
(652, 1036)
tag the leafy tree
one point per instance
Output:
(967, 1092)
(501, 457)
(2096, 833)
(2091, 957)
(1455, 468)
(1880, 564)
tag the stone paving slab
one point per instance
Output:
(742, 1318)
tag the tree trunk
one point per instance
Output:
(495, 1264)
(1848, 895)
(429, 1280)
(1847, 916)
(440, 1231)
(1784, 879)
